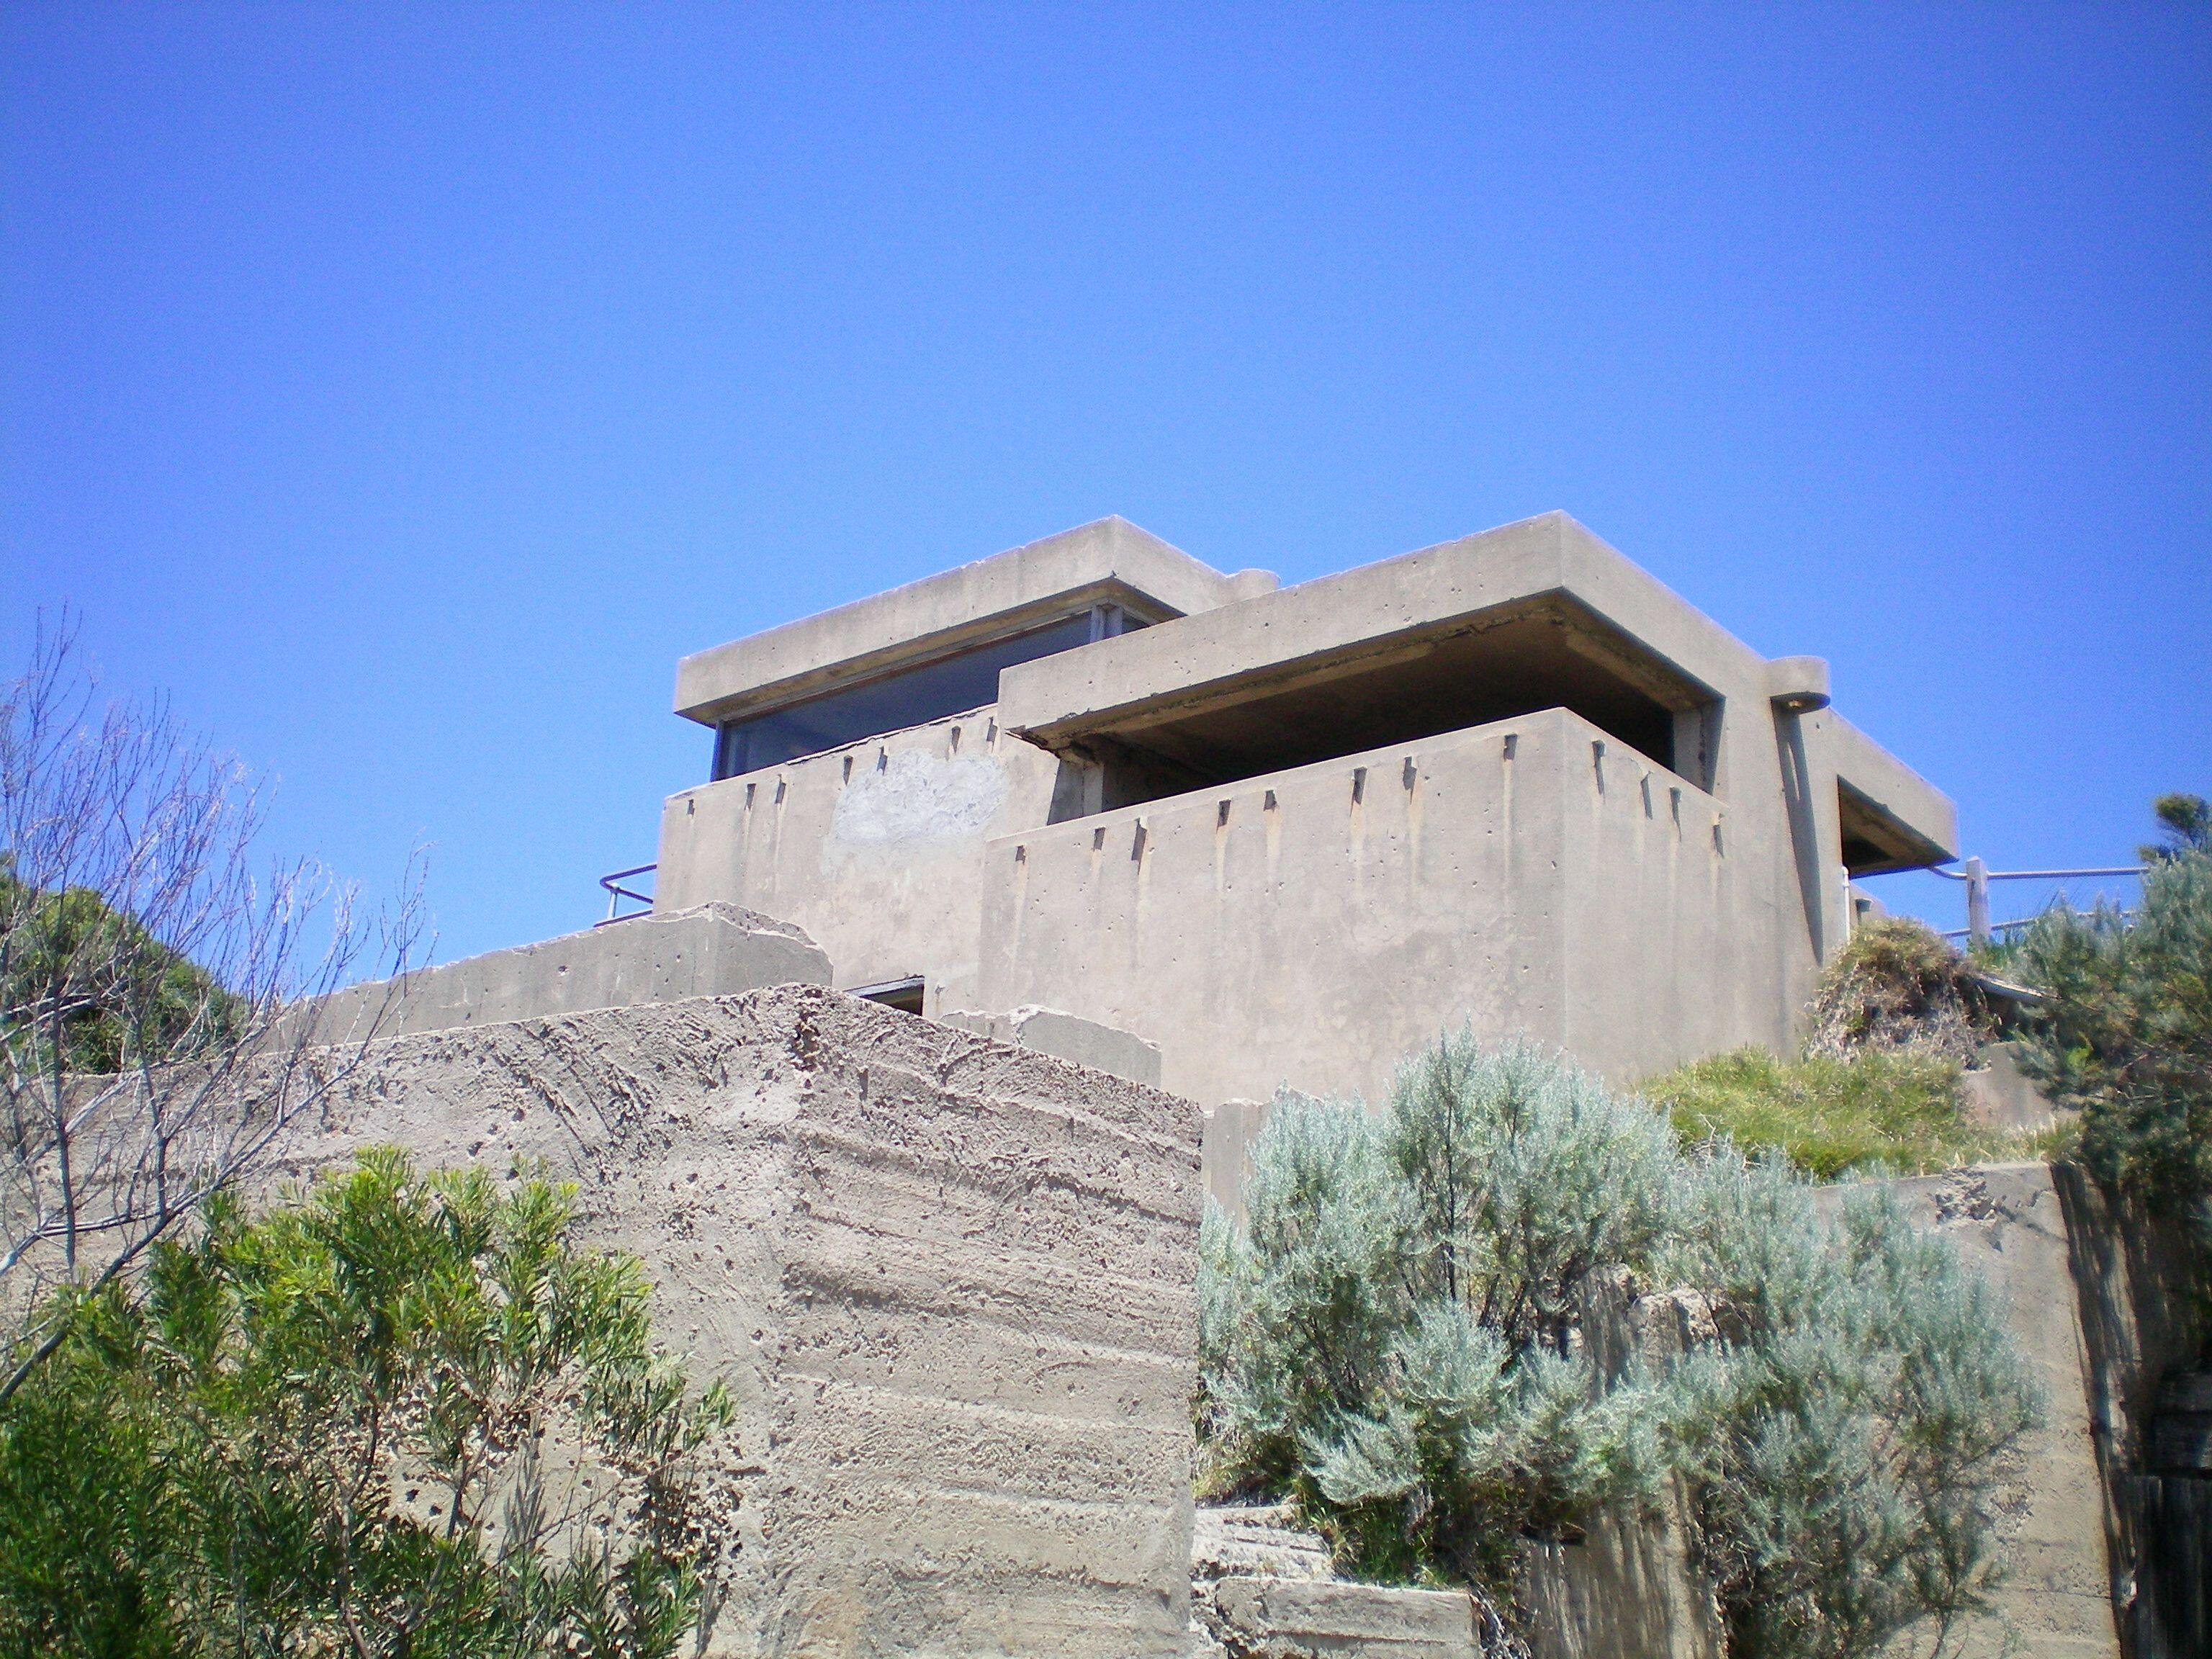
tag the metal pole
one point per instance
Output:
(1977, 903)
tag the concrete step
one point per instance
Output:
(1299, 1619)
(1255, 1542)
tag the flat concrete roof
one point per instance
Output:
(1889, 805)
(1318, 627)
(1108, 561)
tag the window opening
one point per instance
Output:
(951, 685)
(1551, 655)
(903, 995)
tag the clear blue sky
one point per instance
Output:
(405, 388)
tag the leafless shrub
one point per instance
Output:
(161, 1012)
(1898, 989)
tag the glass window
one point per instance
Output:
(949, 685)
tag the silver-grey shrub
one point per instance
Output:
(1390, 1334)
(1846, 1433)
(1394, 1337)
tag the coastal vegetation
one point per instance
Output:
(1404, 1336)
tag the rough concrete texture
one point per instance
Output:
(1256, 1541)
(1084, 1042)
(711, 950)
(2007, 1222)
(1621, 1592)
(949, 1282)
(1263, 1589)
(1298, 1619)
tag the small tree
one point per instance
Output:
(2125, 1031)
(399, 1415)
(160, 999)
(2184, 825)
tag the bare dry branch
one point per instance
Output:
(162, 996)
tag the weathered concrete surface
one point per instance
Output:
(1084, 1042)
(2142, 1309)
(1233, 1130)
(2008, 1224)
(1996, 1091)
(1299, 1618)
(1623, 1591)
(1312, 926)
(712, 950)
(1257, 1540)
(1108, 560)
(949, 1281)
(876, 850)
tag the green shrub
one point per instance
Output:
(399, 1415)
(2125, 1033)
(1394, 1338)
(1844, 1433)
(1896, 1110)
(1388, 1338)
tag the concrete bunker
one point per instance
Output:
(1551, 652)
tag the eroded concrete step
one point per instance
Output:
(1272, 1618)
(1258, 1541)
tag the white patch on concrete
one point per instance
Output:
(917, 799)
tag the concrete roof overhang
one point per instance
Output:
(1111, 562)
(1891, 819)
(1548, 569)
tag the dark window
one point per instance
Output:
(903, 995)
(949, 685)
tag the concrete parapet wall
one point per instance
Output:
(949, 1282)
(714, 949)
(1527, 875)
(876, 849)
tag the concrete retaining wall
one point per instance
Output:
(714, 949)
(951, 1283)
(2008, 1224)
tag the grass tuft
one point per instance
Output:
(1831, 1116)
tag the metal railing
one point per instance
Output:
(1977, 877)
(616, 893)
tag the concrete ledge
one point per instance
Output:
(1316, 627)
(1295, 1619)
(716, 950)
(1085, 1041)
(1109, 560)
